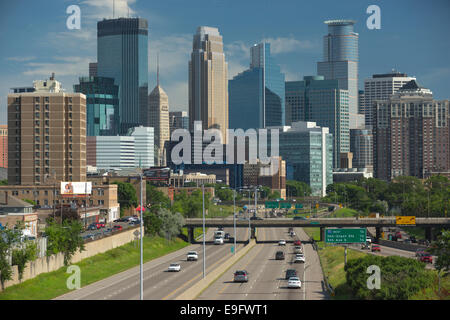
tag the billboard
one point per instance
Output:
(157, 174)
(76, 188)
(405, 220)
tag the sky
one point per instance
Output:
(414, 38)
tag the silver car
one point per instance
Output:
(241, 276)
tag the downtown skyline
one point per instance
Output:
(296, 40)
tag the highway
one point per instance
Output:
(158, 283)
(266, 275)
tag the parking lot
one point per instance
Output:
(90, 235)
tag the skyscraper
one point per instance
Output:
(208, 81)
(381, 87)
(178, 120)
(102, 105)
(3, 146)
(158, 118)
(411, 134)
(321, 101)
(340, 62)
(257, 94)
(47, 135)
(122, 54)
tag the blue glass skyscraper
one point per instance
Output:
(102, 105)
(256, 96)
(122, 54)
(340, 62)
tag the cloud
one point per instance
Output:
(20, 59)
(282, 45)
(100, 9)
(65, 66)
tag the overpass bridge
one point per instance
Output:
(322, 223)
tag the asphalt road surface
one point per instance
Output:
(267, 275)
(158, 283)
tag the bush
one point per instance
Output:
(401, 277)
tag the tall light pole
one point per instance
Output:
(234, 218)
(142, 255)
(204, 235)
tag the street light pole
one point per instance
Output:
(234, 218)
(142, 256)
(204, 235)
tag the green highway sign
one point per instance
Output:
(298, 206)
(271, 204)
(314, 222)
(353, 235)
(285, 205)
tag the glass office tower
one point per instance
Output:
(340, 62)
(102, 105)
(321, 101)
(256, 96)
(122, 54)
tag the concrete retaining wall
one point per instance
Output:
(196, 289)
(400, 245)
(54, 262)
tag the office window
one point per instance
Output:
(47, 107)
(47, 99)
(36, 99)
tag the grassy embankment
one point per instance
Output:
(50, 285)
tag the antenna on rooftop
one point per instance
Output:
(157, 69)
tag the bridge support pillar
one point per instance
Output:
(322, 234)
(429, 234)
(253, 234)
(191, 234)
(377, 233)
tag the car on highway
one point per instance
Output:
(294, 282)
(419, 252)
(297, 243)
(290, 273)
(299, 218)
(292, 233)
(192, 256)
(117, 227)
(218, 240)
(368, 240)
(220, 228)
(299, 258)
(426, 257)
(298, 249)
(174, 267)
(282, 242)
(375, 247)
(240, 276)
(279, 255)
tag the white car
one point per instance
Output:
(218, 240)
(282, 242)
(294, 282)
(298, 249)
(368, 240)
(192, 256)
(299, 258)
(174, 267)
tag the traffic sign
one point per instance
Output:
(298, 206)
(348, 235)
(405, 220)
(285, 205)
(271, 204)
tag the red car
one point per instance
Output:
(398, 235)
(426, 257)
(297, 243)
(117, 227)
(376, 247)
(100, 225)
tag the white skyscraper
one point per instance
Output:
(144, 145)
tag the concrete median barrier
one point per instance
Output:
(196, 289)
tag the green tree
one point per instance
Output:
(23, 253)
(8, 237)
(441, 249)
(171, 223)
(126, 195)
(65, 238)
(4, 182)
(297, 188)
(152, 223)
(156, 199)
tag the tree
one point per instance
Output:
(297, 188)
(152, 223)
(4, 182)
(441, 248)
(7, 238)
(126, 195)
(64, 238)
(171, 223)
(156, 199)
(23, 253)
